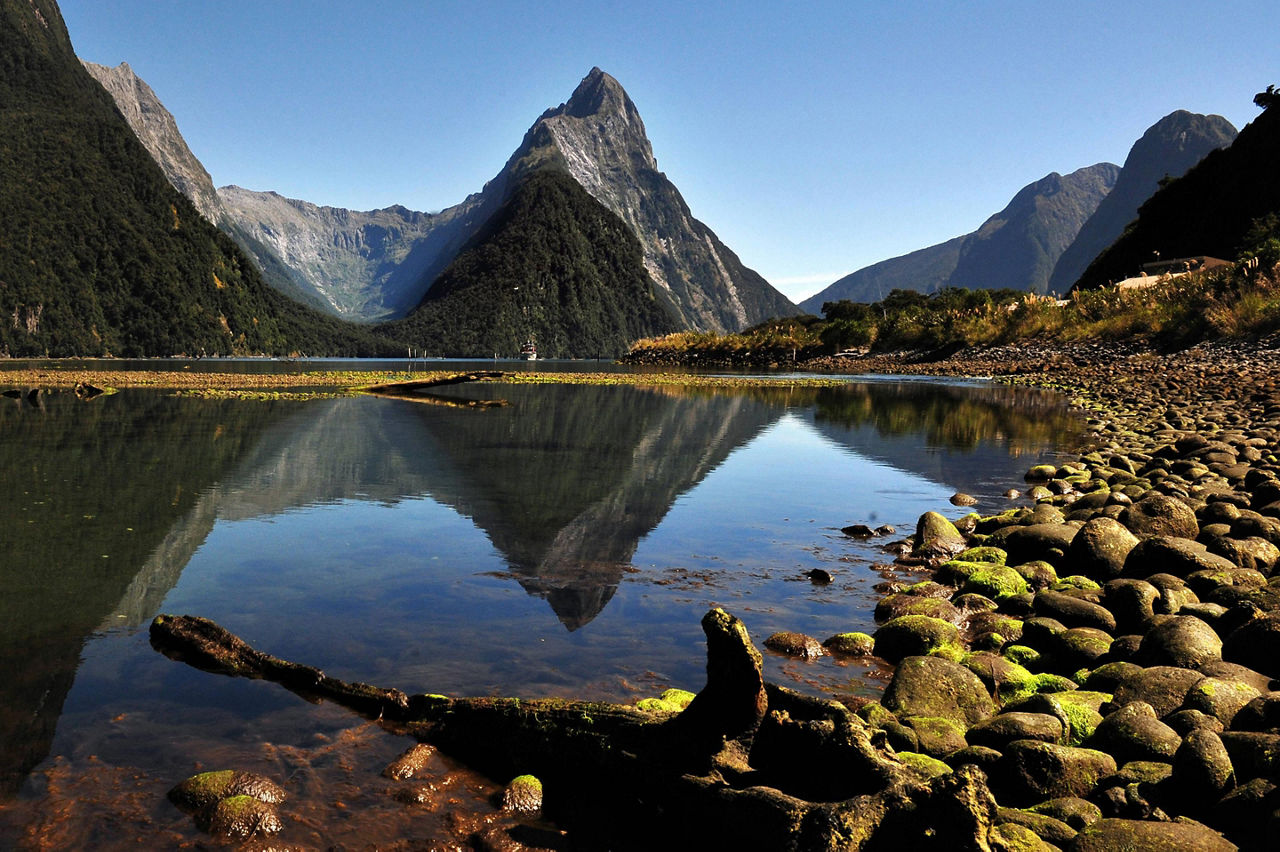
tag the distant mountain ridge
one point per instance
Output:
(1168, 148)
(380, 264)
(998, 255)
(1015, 248)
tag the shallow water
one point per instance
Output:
(566, 544)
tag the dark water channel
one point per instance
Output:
(564, 545)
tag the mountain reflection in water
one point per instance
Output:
(106, 502)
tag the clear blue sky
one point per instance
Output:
(814, 138)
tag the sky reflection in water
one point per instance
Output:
(566, 544)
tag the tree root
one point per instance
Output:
(746, 765)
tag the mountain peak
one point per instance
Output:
(597, 93)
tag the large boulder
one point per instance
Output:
(1165, 688)
(1031, 771)
(1099, 549)
(1180, 640)
(1165, 554)
(1132, 835)
(1048, 542)
(933, 686)
(915, 635)
(1134, 733)
(1073, 611)
(1159, 514)
(936, 537)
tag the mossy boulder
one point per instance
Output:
(1134, 733)
(1038, 574)
(916, 635)
(937, 737)
(1046, 828)
(997, 582)
(1202, 770)
(1014, 837)
(1073, 611)
(200, 791)
(795, 645)
(905, 603)
(1032, 771)
(1073, 810)
(986, 554)
(1100, 548)
(933, 686)
(1180, 640)
(1159, 514)
(1165, 688)
(1047, 541)
(523, 795)
(923, 765)
(1001, 730)
(1132, 602)
(853, 644)
(241, 817)
(1131, 835)
(936, 537)
(670, 701)
(1079, 711)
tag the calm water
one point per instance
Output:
(566, 544)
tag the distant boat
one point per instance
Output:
(529, 351)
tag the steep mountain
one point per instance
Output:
(156, 128)
(99, 254)
(1018, 247)
(379, 264)
(1015, 248)
(597, 136)
(1207, 211)
(552, 264)
(1169, 148)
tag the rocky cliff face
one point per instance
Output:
(1169, 148)
(156, 128)
(364, 265)
(599, 138)
(1016, 248)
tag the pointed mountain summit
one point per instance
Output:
(1018, 247)
(379, 264)
(1167, 149)
(598, 138)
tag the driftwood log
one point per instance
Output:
(747, 765)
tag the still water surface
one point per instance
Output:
(566, 544)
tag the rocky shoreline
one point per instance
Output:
(1108, 657)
